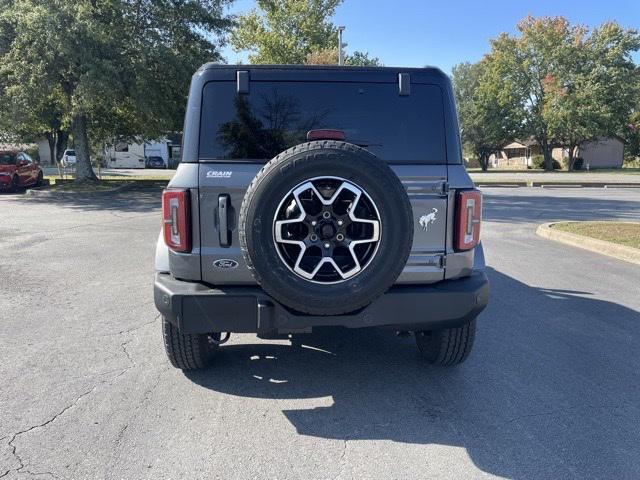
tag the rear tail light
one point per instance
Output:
(468, 219)
(176, 220)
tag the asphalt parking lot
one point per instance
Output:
(552, 389)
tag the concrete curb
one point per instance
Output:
(506, 183)
(529, 183)
(621, 252)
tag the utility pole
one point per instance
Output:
(340, 53)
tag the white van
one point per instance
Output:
(125, 155)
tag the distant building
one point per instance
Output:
(44, 152)
(517, 154)
(602, 153)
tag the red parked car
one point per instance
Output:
(17, 169)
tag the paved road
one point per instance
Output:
(552, 389)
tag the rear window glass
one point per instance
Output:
(278, 115)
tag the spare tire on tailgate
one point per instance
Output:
(326, 227)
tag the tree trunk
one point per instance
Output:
(572, 158)
(51, 140)
(548, 159)
(61, 145)
(84, 171)
(484, 162)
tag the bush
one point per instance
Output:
(538, 162)
(471, 162)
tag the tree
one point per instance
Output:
(329, 56)
(362, 59)
(117, 66)
(568, 86)
(286, 31)
(573, 106)
(30, 119)
(632, 129)
(525, 63)
(620, 77)
(486, 119)
(595, 95)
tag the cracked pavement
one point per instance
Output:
(551, 390)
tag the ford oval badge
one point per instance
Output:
(225, 263)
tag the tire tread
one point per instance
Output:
(186, 351)
(449, 346)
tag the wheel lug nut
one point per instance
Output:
(340, 222)
(340, 237)
(314, 223)
(327, 245)
(326, 215)
(314, 237)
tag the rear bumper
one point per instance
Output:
(198, 308)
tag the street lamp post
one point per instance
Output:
(340, 54)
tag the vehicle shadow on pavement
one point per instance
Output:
(527, 209)
(552, 388)
(15, 194)
(136, 198)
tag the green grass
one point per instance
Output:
(622, 233)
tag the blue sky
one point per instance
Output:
(414, 33)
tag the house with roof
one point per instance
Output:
(601, 153)
(514, 155)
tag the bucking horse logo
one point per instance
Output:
(428, 218)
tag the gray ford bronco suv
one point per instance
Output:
(319, 196)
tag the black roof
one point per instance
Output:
(322, 72)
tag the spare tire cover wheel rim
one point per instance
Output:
(328, 229)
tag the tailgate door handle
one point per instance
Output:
(224, 234)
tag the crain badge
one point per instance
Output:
(428, 218)
(225, 263)
(219, 173)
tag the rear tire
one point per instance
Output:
(15, 184)
(40, 179)
(447, 347)
(188, 351)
